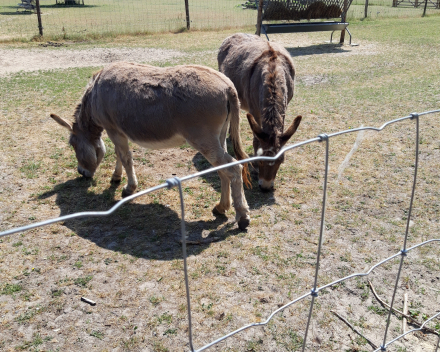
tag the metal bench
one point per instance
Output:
(272, 12)
(26, 5)
(305, 27)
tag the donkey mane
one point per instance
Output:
(82, 114)
(274, 103)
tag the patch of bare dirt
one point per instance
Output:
(15, 60)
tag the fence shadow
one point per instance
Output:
(150, 230)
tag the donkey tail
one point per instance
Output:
(234, 131)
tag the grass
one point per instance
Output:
(110, 18)
(131, 263)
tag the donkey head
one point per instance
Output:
(89, 147)
(266, 144)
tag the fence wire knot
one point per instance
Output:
(383, 348)
(414, 115)
(323, 137)
(404, 252)
(314, 293)
(172, 182)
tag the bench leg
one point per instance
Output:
(331, 35)
(348, 34)
(265, 33)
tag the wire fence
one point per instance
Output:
(79, 18)
(314, 293)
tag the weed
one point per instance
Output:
(10, 289)
(98, 334)
(377, 310)
(165, 317)
(83, 281)
(155, 300)
(30, 169)
(170, 332)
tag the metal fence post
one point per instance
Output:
(40, 26)
(188, 24)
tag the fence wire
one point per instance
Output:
(79, 18)
(314, 293)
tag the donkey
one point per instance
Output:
(263, 75)
(161, 108)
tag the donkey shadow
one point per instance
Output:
(255, 198)
(150, 231)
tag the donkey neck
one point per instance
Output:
(85, 122)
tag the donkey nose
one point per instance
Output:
(85, 173)
(265, 186)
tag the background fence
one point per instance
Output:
(107, 17)
(325, 139)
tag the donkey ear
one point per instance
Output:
(62, 122)
(256, 129)
(290, 131)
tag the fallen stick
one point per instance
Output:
(413, 321)
(405, 311)
(355, 330)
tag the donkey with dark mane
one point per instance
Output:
(161, 108)
(263, 75)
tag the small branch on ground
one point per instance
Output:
(413, 321)
(355, 330)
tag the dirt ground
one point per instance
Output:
(130, 264)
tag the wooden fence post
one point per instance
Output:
(40, 26)
(188, 24)
(366, 8)
(259, 19)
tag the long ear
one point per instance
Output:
(290, 131)
(256, 129)
(62, 122)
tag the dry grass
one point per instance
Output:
(130, 263)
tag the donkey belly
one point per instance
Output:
(174, 141)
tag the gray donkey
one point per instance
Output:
(263, 75)
(161, 108)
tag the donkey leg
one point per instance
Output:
(117, 175)
(240, 203)
(233, 175)
(225, 198)
(124, 157)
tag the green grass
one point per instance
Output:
(109, 18)
(83, 281)
(10, 289)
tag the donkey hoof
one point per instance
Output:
(115, 180)
(126, 193)
(216, 211)
(243, 223)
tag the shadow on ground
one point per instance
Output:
(330, 48)
(254, 196)
(150, 231)
(42, 7)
